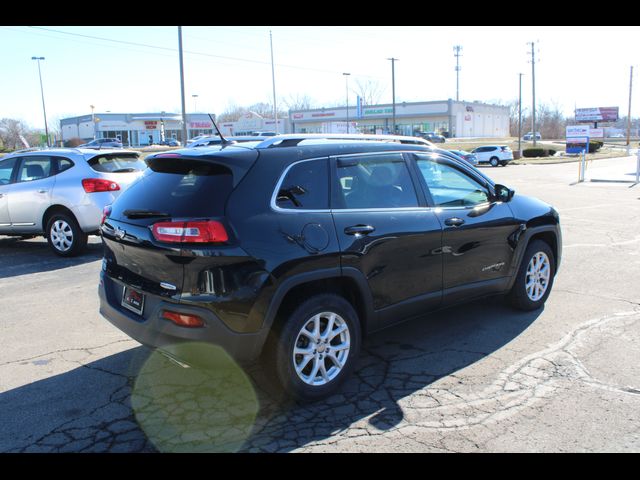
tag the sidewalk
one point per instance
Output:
(621, 169)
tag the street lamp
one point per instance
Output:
(393, 90)
(46, 129)
(195, 96)
(346, 76)
(93, 121)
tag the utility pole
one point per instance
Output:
(46, 129)
(346, 76)
(273, 80)
(629, 114)
(393, 90)
(520, 115)
(533, 83)
(184, 112)
(457, 54)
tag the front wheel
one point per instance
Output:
(534, 278)
(316, 347)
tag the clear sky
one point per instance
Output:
(136, 68)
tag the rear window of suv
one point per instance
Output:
(179, 189)
(118, 163)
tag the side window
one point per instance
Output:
(305, 186)
(450, 187)
(34, 168)
(6, 167)
(374, 181)
(64, 164)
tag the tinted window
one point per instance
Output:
(6, 167)
(450, 187)
(34, 168)
(376, 181)
(306, 185)
(180, 189)
(64, 164)
(117, 163)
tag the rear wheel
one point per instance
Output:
(494, 161)
(316, 347)
(534, 278)
(64, 235)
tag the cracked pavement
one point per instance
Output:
(478, 377)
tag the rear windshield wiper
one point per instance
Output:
(123, 170)
(144, 214)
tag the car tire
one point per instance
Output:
(494, 161)
(326, 354)
(64, 235)
(534, 279)
(504, 163)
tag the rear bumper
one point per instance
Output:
(182, 343)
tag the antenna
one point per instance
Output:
(224, 140)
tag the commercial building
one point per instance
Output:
(455, 119)
(135, 129)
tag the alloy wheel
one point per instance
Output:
(321, 348)
(537, 276)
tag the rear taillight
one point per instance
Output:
(92, 185)
(183, 319)
(208, 231)
(106, 211)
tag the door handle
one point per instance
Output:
(42, 191)
(454, 222)
(359, 230)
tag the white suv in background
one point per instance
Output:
(61, 192)
(493, 154)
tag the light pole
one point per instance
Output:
(93, 121)
(184, 113)
(393, 91)
(520, 116)
(46, 129)
(346, 76)
(195, 100)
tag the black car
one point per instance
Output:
(432, 137)
(292, 249)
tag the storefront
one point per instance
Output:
(451, 118)
(135, 129)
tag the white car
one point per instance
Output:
(493, 154)
(61, 193)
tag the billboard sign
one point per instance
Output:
(600, 114)
(577, 138)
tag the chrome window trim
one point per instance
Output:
(278, 209)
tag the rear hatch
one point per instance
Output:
(177, 206)
(123, 168)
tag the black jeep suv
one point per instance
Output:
(293, 248)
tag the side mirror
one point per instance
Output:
(502, 193)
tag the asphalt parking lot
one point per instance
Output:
(475, 378)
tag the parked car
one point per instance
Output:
(170, 142)
(469, 157)
(493, 154)
(264, 134)
(432, 137)
(292, 249)
(60, 193)
(529, 136)
(102, 143)
(196, 138)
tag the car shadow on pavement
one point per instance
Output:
(22, 257)
(139, 401)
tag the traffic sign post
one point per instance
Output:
(577, 141)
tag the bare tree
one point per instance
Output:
(369, 90)
(11, 130)
(299, 102)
